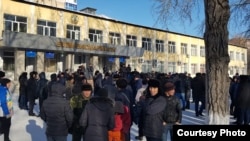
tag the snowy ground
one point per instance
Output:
(27, 128)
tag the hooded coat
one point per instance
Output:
(56, 112)
(98, 118)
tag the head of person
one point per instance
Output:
(154, 87)
(6, 82)
(86, 90)
(33, 74)
(70, 79)
(169, 89)
(84, 80)
(102, 93)
(2, 74)
(53, 77)
(58, 90)
(121, 83)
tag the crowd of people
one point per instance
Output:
(104, 105)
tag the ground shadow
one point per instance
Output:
(36, 132)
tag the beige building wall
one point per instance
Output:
(85, 22)
(54, 3)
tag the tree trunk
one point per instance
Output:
(217, 13)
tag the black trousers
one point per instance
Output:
(5, 127)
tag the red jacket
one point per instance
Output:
(126, 119)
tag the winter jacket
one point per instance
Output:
(6, 103)
(77, 103)
(42, 86)
(31, 88)
(173, 111)
(97, 118)
(23, 84)
(153, 116)
(56, 112)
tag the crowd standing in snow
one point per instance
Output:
(102, 105)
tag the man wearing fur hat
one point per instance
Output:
(153, 111)
(78, 103)
(173, 111)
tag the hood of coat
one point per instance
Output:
(42, 75)
(58, 90)
(102, 103)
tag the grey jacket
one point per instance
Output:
(97, 118)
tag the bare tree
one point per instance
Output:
(241, 16)
(217, 15)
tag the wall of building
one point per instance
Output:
(86, 22)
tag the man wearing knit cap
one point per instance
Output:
(173, 112)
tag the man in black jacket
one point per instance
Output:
(57, 114)
(173, 111)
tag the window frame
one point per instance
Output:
(47, 29)
(15, 22)
(131, 41)
(73, 33)
(171, 47)
(159, 45)
(184, 47)
(147, 43)
(114, 38)
(193, 50)
(95, 35)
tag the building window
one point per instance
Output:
(114, 38)
(202, 51)
(243, 70)
(146, 43)
(159, 46)
(171, 47)
(202, 68)
(46, 28)
(231, 71)
(183, 48)
(237, 56)
(8, 61)
(193, 50)
(236, 69)
(131, 41)
(73, 32)
(193, 69)
(95, 36)
(243, 57)
(147, 66)
(171, 67)
(70, 6)
(159, 67)
(51, 63)
(79, 59)
(231, 53)
(15, 23)
(184, 67)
